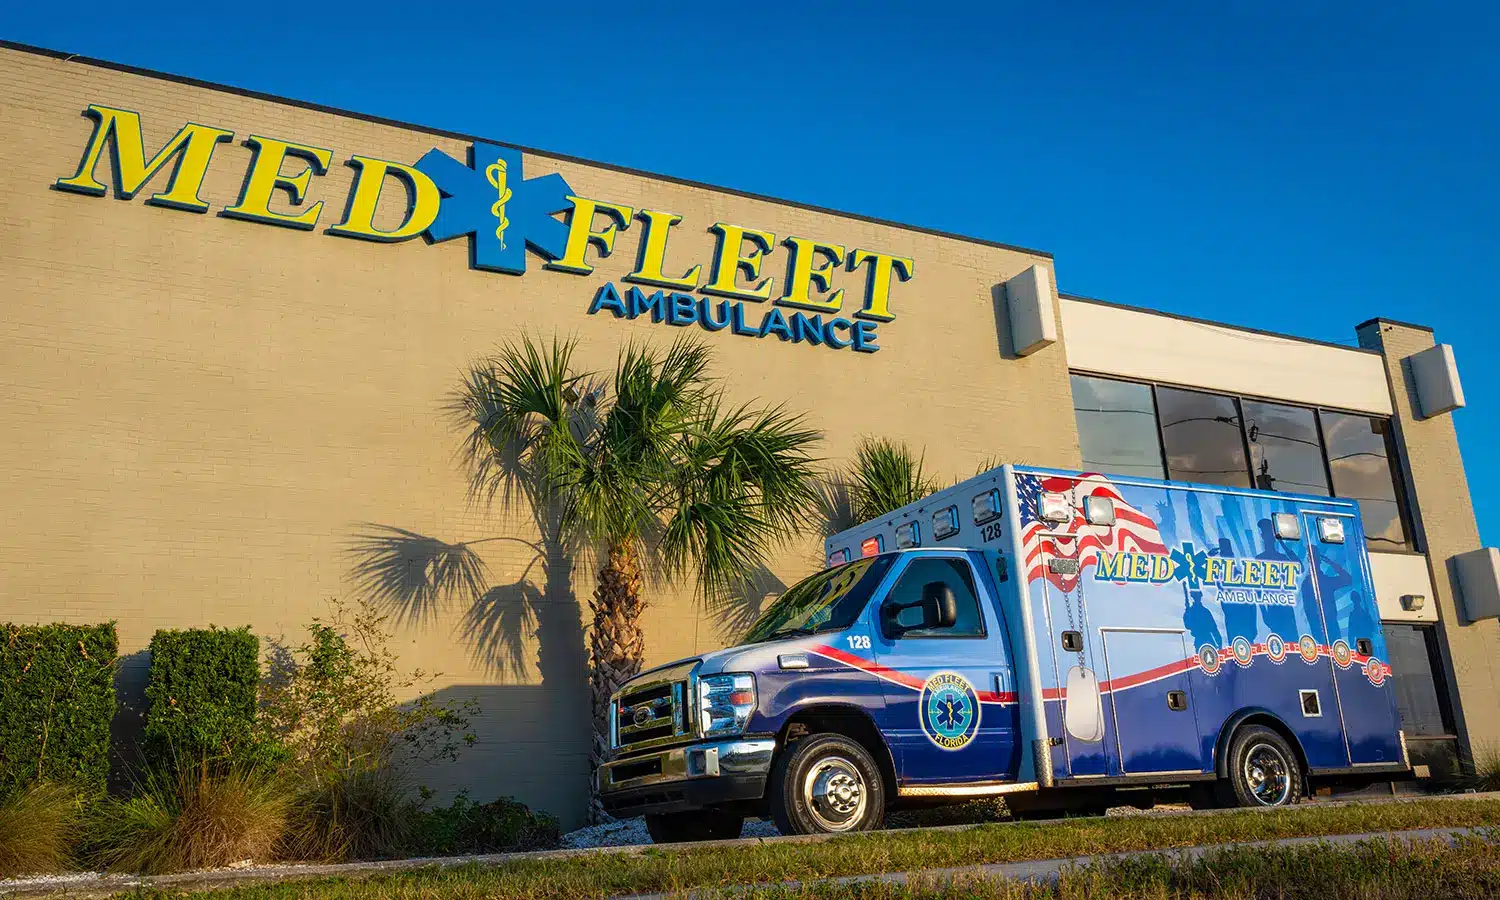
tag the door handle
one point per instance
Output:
(1176, 700)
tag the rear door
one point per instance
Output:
(1076, 663)
(1354, 642)
(951, 713)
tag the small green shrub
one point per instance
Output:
(201, 695)
(350, 741)
(195, 817)
(38, 826)
(57, 697)
(359, 814)
(468, 827)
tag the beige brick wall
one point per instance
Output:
(1441, 503)
(200, 412)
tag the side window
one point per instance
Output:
(952, 572)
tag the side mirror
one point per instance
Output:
(939, 610)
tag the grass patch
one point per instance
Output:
(38, 826)
(656, 870)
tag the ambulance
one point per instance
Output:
(1069, 641)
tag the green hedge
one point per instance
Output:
(57, 697)
(201, 694)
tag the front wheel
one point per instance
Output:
(1262, 770)
(696, 825)
(826, 784)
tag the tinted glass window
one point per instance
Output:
(1418, 694)
(952, 572)
(1285, 452)
(1116, 427)
(1201, 433)
(1359, 456)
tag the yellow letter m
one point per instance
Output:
(193, 146)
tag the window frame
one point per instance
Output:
(1398, 477)
(961, 559)
(1404, 512)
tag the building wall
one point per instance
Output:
(1149, 346)
(208, 421)
(1446, 527)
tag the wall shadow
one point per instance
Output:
(416, 577)
(530, 746)
(131, 672)
(835, 511)
(1003, 340)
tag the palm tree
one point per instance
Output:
(886, 476)
(649, 467)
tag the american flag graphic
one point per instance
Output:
(1076, 539)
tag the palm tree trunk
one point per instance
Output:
(617, 648)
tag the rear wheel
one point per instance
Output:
(1261, 770)
(696, 825)
(826, 784)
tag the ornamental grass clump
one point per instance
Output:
(196, 817)
(38, 827)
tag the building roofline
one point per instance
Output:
(1198, 321)
(1386, 321)
(458, 135)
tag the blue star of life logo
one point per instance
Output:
(1190, 564)
(503, 212)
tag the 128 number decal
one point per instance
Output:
(858, 641)
(990, 533)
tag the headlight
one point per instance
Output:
(725, 703)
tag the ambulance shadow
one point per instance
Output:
(532, 743)
(835, 510)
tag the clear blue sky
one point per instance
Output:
(1298, 168)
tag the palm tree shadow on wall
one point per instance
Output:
(416, 578)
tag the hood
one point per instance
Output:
(743, 658)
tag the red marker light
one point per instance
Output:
(871, 546)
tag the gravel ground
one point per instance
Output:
(633, 831)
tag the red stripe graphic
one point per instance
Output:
(901, 678)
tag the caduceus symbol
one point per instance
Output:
(496, 175)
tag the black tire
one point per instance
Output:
(826, 784)
(695, 825)
(1261, 770)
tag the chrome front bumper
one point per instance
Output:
(735, 759)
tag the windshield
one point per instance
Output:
(828, 601)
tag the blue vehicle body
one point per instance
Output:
(1124, 629)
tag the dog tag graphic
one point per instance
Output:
(1083, 712)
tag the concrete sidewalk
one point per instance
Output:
(1049, 870)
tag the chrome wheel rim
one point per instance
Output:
(1268, 775)
(835, 794)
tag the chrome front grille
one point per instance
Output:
(649, 714)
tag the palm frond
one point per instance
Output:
(521, 410)
(744, 480)
(886, 476)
